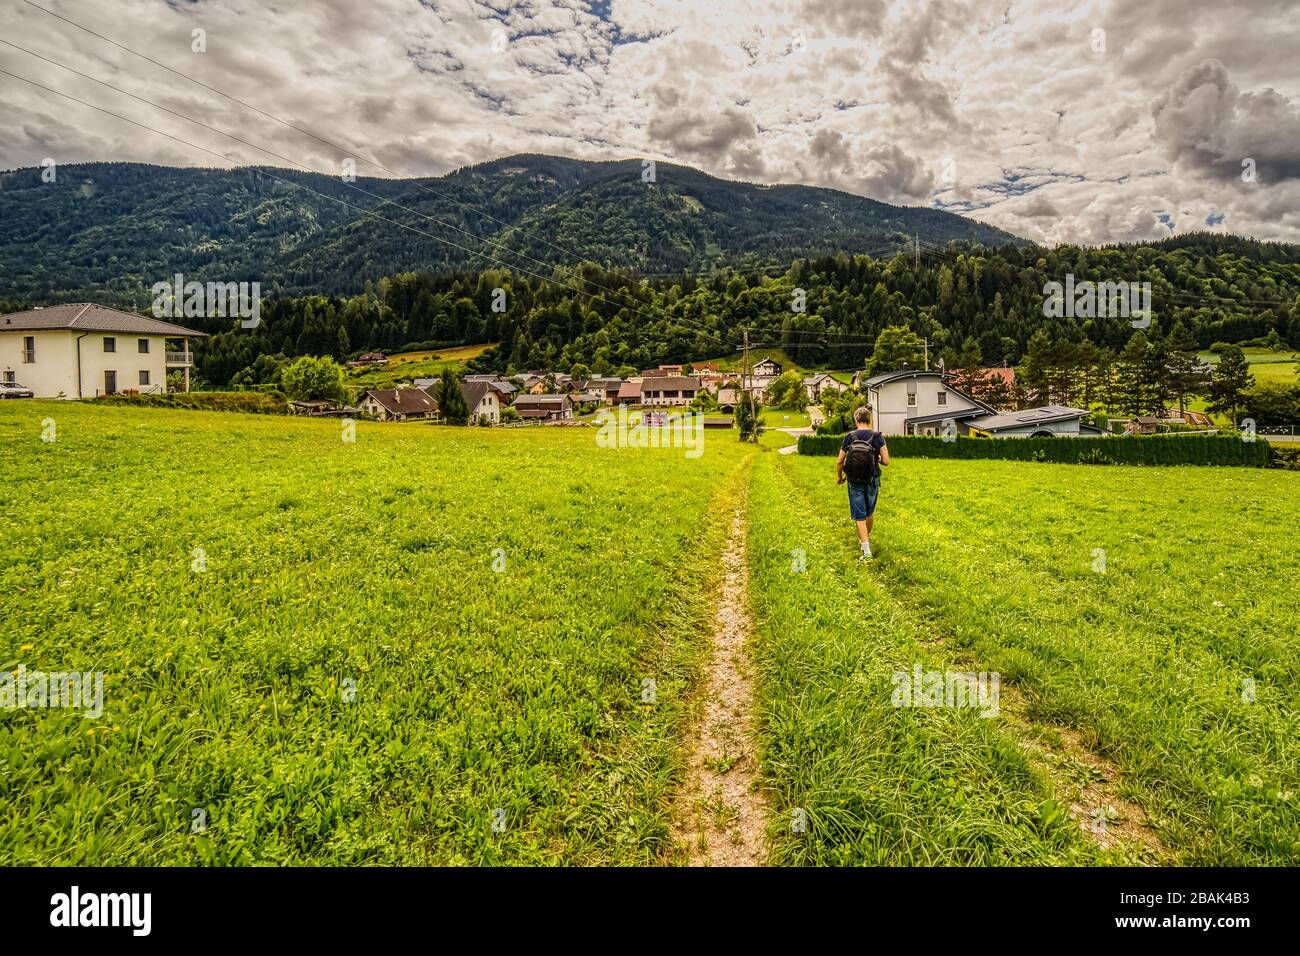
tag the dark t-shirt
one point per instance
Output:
(864, 434)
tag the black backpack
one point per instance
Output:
(862, 461)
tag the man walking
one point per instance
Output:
(862, 453)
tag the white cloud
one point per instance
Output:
(1047, 136)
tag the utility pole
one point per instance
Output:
(916, 242)
(926, 343)
(746, 382)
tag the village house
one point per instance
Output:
(763, 373)
(602, 389)
(1143, 425)
(669, 389)
(482, 400)
(914, 402)
(629, 393)
(506, 391)
(709, 373)
(818, 382)
(398, 404)
(367, 359)
(535, 383)
(728, 396)
(1047, 421)
(544, 407)
(85, 350)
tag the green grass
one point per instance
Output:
(879, 785)
(326, 565)
(412, 365)
(327, 562)
(1268, 367)
(1147, 660)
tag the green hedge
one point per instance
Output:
(257, 403)
(1115, 450)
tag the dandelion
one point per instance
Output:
(26, 647)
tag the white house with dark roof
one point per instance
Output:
(669, 390)
(398, 404)
(818, 382)
(915, 402)
(85, 350)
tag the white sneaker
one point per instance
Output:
(866, 553)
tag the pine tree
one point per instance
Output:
(451, 400)
(1131, 391)
(1186, 375)
(1035, 376)
(1231, 379)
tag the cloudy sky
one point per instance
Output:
(1061, 121)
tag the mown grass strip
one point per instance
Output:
(1150, 610)
(875, 783)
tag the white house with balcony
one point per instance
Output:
(86, 350)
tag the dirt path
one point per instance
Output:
(722, 816)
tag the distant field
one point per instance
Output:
(323, 563)
(995, 566)
(1268, 367)
(410, 365)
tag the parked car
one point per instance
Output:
(14, 390)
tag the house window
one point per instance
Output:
(110, 344)
(911, 399)
(144, 346)
(144, 376)
(943, 398)
(9, 377)
(29, 349)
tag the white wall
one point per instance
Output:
(490, 406)
(127, 361)
(892, 410)
(55, 370)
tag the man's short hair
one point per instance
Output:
(862, 414)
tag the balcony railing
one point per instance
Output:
(180, 358)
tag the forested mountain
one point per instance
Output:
(108, 231)
(1220, 288)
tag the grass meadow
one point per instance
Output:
(1148, 614)
(485, 646)
(497, 713)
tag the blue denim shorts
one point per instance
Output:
(862, 499)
